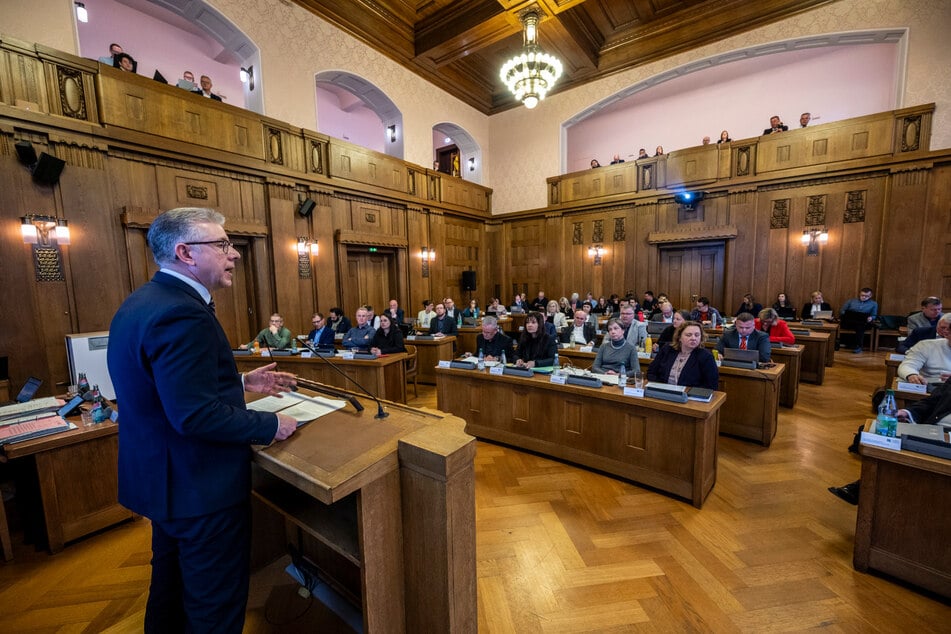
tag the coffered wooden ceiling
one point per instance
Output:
(459, 45)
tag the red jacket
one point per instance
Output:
(779, 332)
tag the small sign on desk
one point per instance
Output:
(637, 392)
(917, 388)
(497, 370)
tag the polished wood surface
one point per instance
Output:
(384, 377)
(830, 327)
(816, 347)
(564, 548)
(752, 405)
(791, 357)
(669, 446)
(892, 361)
(430, 353)
(388, 511)
(5, 390)
(904, 518)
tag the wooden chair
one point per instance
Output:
(412, 371)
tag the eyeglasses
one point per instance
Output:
(224, 245)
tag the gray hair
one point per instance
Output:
(175, 226)
(490, 321)
(945, 318)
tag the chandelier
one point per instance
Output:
(532, 73)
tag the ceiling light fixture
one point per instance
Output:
(532, 73)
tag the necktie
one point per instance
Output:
(211, 305)
(743, 343)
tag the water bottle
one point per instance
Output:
(887, 423)
(503, 361)
(83, 383)
(557, 367)
(294, 345)
(622, 377)
(481, 364)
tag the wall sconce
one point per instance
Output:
(81, 14)
(596, 251)
(391, 133)
(428, 255)
(247, 76)
(472, 164)
(812, 238)
(689, 200)
(46, 234)
(306, 247)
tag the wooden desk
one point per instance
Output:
(514, 325)
(384, 377)
(665, 445)
(816, 349)
(791, 357)
(830, 328)
(5, 390)
(429, 353)
(904, 518)
(902, 398)
(467, 336)
(78, 478)
(385, 508)
(891, 368)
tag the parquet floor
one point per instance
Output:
(561, 549)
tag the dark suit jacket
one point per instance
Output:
(918, 334)
(212, 95)
(388, 344)
(589, 332)
(326, 337)
(770, 130)
(500, 343)
(699, 371)
(342, 326)
(399, 316)
(930, 410)
(541, 349)
(807, 309)
(758, 340)
(445, 324)
(186, 435)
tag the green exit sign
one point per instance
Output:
(372, 249)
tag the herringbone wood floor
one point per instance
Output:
(561, 549)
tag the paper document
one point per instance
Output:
(37, 405)
(33, 429)
(299, 407)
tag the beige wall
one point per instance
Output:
(47, 22)
(526, 144)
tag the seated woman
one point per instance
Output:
(536, 348)
(817, 304)
(667, 336)
(426, 315)
(565, 307)
(387, 339)
(685, 361)
(784, 307)
(472, 311)
(749, 305)
(615, 351)
(495, 307)
(770, 323)
(601, 307)
(555, 317)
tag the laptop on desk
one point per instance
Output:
(741, 356)
(822, 314)
(29, 390)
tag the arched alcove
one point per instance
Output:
(470, 154)
(353, 109)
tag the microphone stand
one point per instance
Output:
(380, 413)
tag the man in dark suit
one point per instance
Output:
(442, 324)
(395, 312)
(745, 336)
(493, 343)
(581, 331)
(775, 125)
(205, 90)
(322, 336)
(338, 322)
(186, 435)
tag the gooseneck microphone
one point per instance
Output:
(380, 413)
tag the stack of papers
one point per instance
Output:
(301, 408)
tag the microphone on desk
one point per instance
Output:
(380, 413)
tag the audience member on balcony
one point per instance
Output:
(617, 159)
(659, 151)
(124, 61)
(784, 307)
(770, 323)
(775, 125)
(642, 154)
(187, 82)
(858, 314)
(594, 163)
(110, 59)
(749, 305)
(815, 306)
(705, 313)
(929, 314)
(536, 348)
(706, 141)
(928, 361)
(685, 361)
(426, 315)
(205, 90)
(724, 137)
(804, 119)
(923, 334)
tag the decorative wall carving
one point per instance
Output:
(743, 161)
(910, 133)
(855, 207)
(194, 191)
(316, 157)
(598, 234)
(620, 234)
(647, 177)
(72, 94)
(576, 237)
(816, 211)
(274, 147)
(779, 217)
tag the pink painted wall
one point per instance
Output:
(157, 45)
(350, 121)
(831, 83)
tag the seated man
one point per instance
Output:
(705, 313)
(745, 336)
(770, 323)
(923, 334)
(494, 343)
(442, 324)
(858, 314)
(580, 331)
(275, 336)
(635, 332)
(338, 322)
(928, 361)
(360, 336)
(395, 312)
(775, 125)
(929, 314)
(322, 336)
(666, 314)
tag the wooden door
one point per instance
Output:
(371, 279)
(689, 272)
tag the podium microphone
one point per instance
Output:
(380, 413)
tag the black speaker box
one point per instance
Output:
(306, 207)
(48, 169)
(469, 280)
(26, 153)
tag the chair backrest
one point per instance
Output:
(411, 359)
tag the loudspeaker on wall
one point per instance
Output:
(469, 280)
(48, 169)
(306, 207)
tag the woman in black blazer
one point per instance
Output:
(818, 302)
(387, 339)
(536, 348)
(784, 307)
(685, 361)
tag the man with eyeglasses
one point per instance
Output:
(322, 336)
(186, 435)
(275, 336)
(635, 332)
